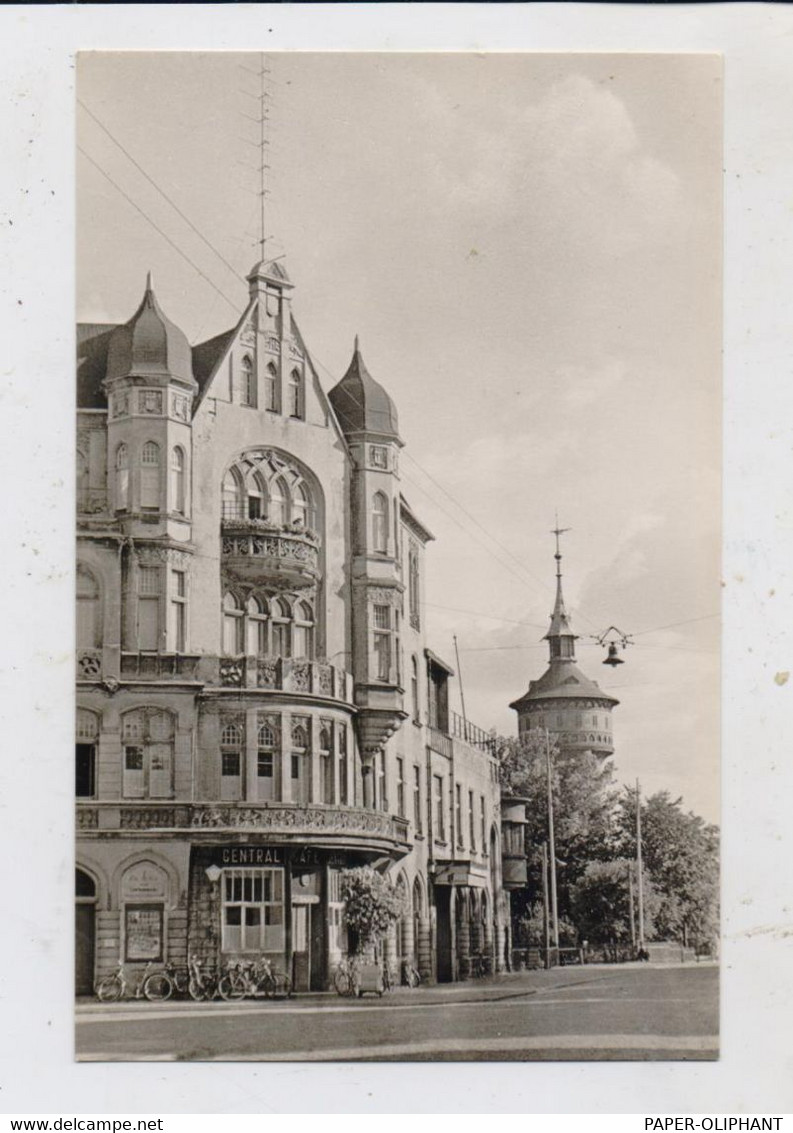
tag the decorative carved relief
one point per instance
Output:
(154, 556)
(378, 456)
(231, 672)
(87, 818)
(89, 664)
(119, 405)
(267, 673)
(325, 681)
(180, 407)
(147, 819)
(384, 596)
(272, 344)
(301, 676)
(294, 349)
(297, 818)
(248, 334)
(150, 401)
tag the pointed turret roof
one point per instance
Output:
(361, 404)
(149, 344)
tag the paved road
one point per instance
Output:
(576, 1013)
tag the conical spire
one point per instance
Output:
(560, 634)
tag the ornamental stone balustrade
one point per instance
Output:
(284, 674)
(257, 551)
(283, 821)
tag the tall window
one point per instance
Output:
(471, 822)
(264, 485)
(89, 629)
(303, 632)
(301, 506)
(265, 759)
(257, 626)
(233, 496)
(231, 748)
(233, 625)
(149, 587)
(458, 812)
(440, 818)
(178, 629)
(253, 910)
(122, 478)
(382, 641)
(482, 824)
(414, 598)
(271, 388)
(295, 394)
(380, 522)
(150, 476)
(85, 754)
(299, 759)
(326, 760)
(279, 498)
(414, 687)
(400, 786)
(281, 628)
(178, 480)
(344, 797)
(247, 382)
(417, 812)
(147, 739)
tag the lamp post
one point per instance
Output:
(213, 873)
(551, 844)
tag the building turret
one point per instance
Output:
(571, 706)
(368, 418)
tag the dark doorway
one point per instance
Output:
(85, 933)
(445, 936)
(85, 767)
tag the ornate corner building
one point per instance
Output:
(257, 708)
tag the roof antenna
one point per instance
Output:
(263, 143)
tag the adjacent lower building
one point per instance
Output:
(257, 707)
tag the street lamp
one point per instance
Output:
(213, 873)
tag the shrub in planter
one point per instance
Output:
(372, 904)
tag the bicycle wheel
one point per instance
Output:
(197, 990)
(283, 986)
(414, 979)
(109, 989)
(231, 987)
(157, 987)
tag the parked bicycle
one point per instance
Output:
(154, 986)
(202, 985)
(255, 979)
(345, 975)
(410, 974)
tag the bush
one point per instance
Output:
(372, 903)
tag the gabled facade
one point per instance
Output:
(257, 707)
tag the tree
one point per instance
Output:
(372, 904)
(681, 854)
(584, 799)
(601, 903)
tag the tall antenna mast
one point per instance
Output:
(264, 118)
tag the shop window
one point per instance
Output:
(150, 477)
(337, 928)
(231, 749)
(89, 629)
(147, 736)
(253, 910)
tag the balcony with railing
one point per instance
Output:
(460, 730)
(286, 822)
(266, 552)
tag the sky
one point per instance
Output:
(529, 247)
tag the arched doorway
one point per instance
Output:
(85, 933)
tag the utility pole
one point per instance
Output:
(462, 694)
(551, 841)
(545, 915)
(639, 882)
(630, 906)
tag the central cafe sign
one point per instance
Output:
(273, 855)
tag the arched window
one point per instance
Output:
(89, 630)
(327, 768)
(265, 760)
(247, 382)
(279, 501)
(231, 745)
(300, 759)
(281, 617)
(150, 476)
(257, 626)
(271, 388)
(380, 523)
(256, 497)
(122, 478)
(233, 625)
(147, 738)
(178, 480)
(303, 633)
(295, 394)
(233, 496)
(301, 507)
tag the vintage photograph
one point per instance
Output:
(398, 556)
